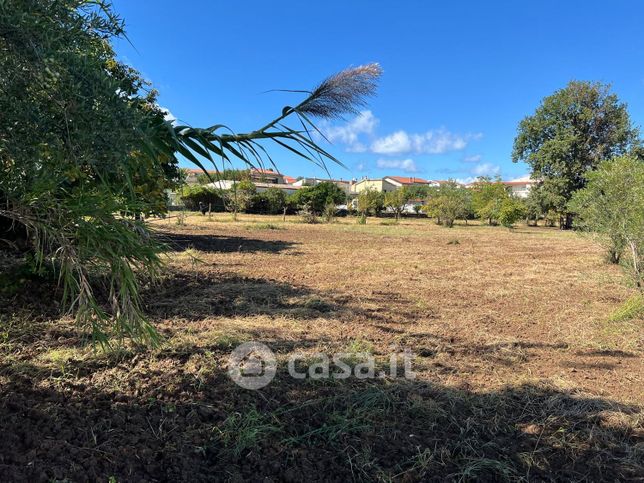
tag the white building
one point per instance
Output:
(340, 183)
(520, 187)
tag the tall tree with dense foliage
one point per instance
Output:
(571, 132)
(612, 207)
(84, 150)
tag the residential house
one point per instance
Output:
(192, 175)
(345, 186)
(226, 184)
(400, 181)
(520, 187)
(262, 175)
(387, 184)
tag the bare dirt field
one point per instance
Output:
(522, 370)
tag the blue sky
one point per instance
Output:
(458, 76)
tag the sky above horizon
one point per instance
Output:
(458, 76)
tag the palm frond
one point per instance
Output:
(342, 93)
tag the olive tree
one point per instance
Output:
(397, 200)
(370, 201)
(447, 203)
(487, 198)
(611, 206)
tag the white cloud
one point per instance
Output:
(396, 143)
(486, 169)
(407, 165)
(353, 133)
(437, 141)
(363, 123)
(168, 116)
(361, 167)
(474, 158)
(525, 177)
(468, 180)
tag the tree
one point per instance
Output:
(487, 198)
(418, 191)
(193, 196)
(612, 207)
(370, 201)
(397, 200)
(271, 201)
(85, 150)
(239, 197)
(77, 164)
(511, 211)
(447, 203)
(319, 196)
(571, 132)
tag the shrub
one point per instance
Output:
(612, 207)
(329, 212)
(370, 201)
(448, 202)
(511, 211)
(317, 197)
(192, 196)
(308, 216)
(269, 202)
(487, 198)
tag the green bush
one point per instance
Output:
(191, 196)
(448, 202)
(370, 201)
(269, 202)
(611, 206)
(317, 197)
(511, 211)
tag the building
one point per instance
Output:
(288, 189)
(387, 184)
(520, 187)
(262, 175)
(226, 184)
(400, 181)
(192, 175)
(345, 186)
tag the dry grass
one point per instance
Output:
(523, 371)
(536, 301)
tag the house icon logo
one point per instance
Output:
(252, 365)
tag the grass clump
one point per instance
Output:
(240, 432)
(264, 226)
(629, 310)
